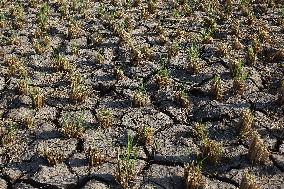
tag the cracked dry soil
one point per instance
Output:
(70, 60)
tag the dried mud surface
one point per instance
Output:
(161, 164)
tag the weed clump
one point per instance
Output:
(125, 170)
(42, 17)
(8, 135)
(146, 135)
(73, 30)
(216, 88)
(211, 150)
(105, 118)
(23, 86)
(61, 63)
(173, 49)
(37, 96)
(72, 126)
(258, 152)
(16, 67)
(118, 73)
(239, 76)
(29, 121)
(136, 56)
(181, 97)
(53, 157)
(100, 59)
(248, 182)
(194, 65)
(162, 76)
(193, 177)
(78, 91)
(95, 156)
(140, 98)
(251, 55)
(222, 50)
(199, 131)
(245, 123)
